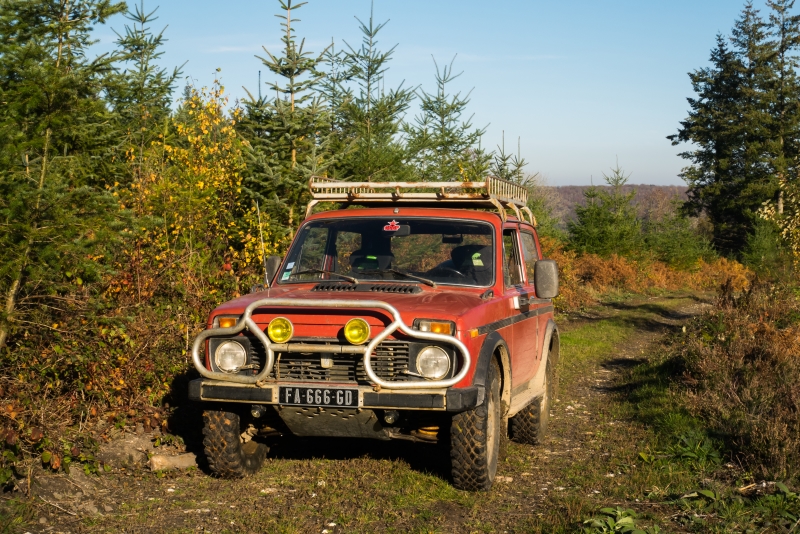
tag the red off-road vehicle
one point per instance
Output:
(420, 316)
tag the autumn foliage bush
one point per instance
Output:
(114, 346)
(742, 375)
(587, 278)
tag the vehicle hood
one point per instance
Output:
(435, 303)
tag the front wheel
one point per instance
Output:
(228, 455)
(475, 439)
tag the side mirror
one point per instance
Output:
(271, 267)
(545, 276)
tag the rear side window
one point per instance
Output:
(531, 256)
(511, 273)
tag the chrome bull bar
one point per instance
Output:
(246, 321)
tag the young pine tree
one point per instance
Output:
(289, 133)
(607, 224)
(370, 115)
(441, 144)
(141, 94)
(55, 130)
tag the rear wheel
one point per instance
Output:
(530, 424)
(229, 456)
(475, 439)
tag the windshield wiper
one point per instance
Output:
(407, 275)
(322, 271)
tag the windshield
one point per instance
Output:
(416, 250)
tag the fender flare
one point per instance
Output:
(490, 345)
(551, 346)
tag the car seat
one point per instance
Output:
(474, 261)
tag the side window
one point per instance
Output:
(511, 274)
(531, 256)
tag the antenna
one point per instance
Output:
(263, 248)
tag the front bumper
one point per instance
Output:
(449, 400)
(263, 377)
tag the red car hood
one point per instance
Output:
(430, 303)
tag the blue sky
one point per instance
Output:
(581, 83)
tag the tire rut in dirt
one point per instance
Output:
(227, 456)
(475, 439)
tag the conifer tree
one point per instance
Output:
(732, 129)
(140, 92)
(442, 145)
(509, 166)
(289, 133)
(785, 92)
(54, 129)
(607, 224)
(371, 116)
(334, 89)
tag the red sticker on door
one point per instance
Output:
(393, 226)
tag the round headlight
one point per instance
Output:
(433, 362)
(230, 356)
(356, 331)
(280, 330)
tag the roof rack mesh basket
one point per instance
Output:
(491, 192)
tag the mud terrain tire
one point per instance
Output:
(475, 439)
(227, 456)
(530, 424)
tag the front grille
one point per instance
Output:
(390, 362)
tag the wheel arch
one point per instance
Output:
(494, 347)
(551, 347)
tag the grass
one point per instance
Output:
(624, 453)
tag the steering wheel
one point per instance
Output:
(443, 268)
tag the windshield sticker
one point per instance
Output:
(476, 260)
(290, 265)
(393, 226)
(286, 275)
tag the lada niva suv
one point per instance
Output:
(414, 319)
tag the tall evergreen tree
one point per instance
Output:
(731, 127)
(785, 91)
(442, 144)
(289, 133)
(54, 129)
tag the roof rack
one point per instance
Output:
(491, 193)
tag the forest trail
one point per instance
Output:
(588, 462)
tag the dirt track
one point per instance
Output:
(364, 486)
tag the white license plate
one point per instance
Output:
(327, 397)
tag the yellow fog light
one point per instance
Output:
(280, 330)
(356, 331)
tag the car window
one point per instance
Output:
(446, 251)
(511, 272)
(530, 254)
